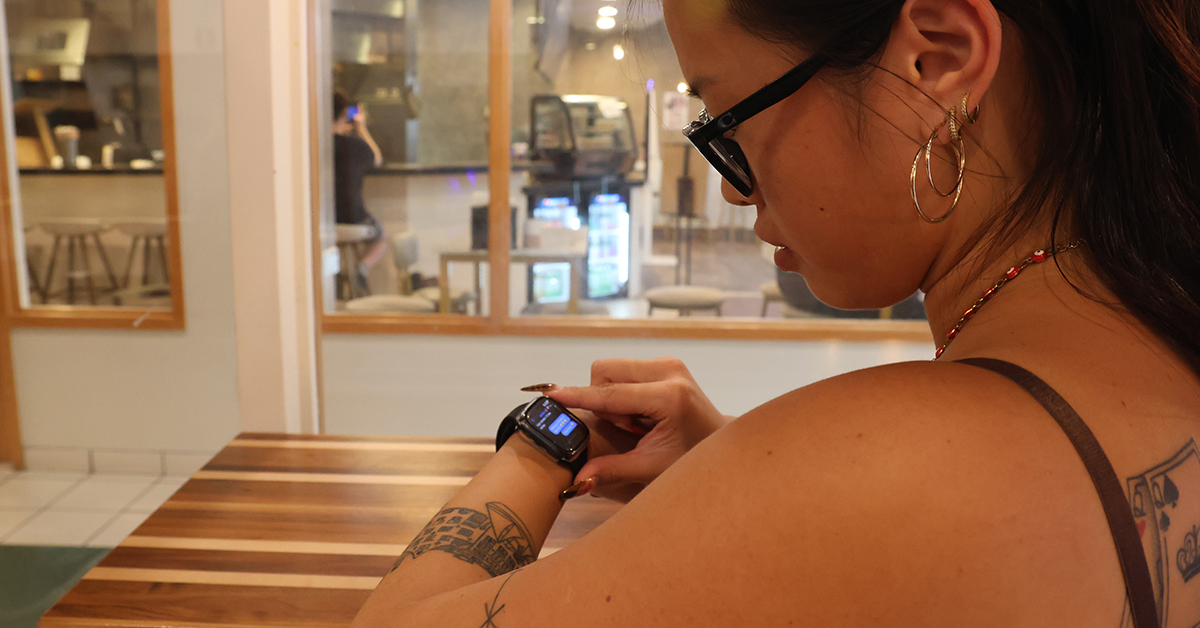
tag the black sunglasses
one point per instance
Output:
(708, 134)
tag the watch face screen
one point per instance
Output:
(556, 424)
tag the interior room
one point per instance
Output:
(255, 252)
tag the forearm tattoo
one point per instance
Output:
(497, 540)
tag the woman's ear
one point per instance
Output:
(947, 49)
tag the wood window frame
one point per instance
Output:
(499, 323)
(100, 317)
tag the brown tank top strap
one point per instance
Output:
(1116, 505)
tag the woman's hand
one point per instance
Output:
(644, 416)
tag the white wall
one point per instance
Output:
(153, 391)
(463, 386)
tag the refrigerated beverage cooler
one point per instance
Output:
(551, 283)
(588, 146)
(608, 246)
(605, 213)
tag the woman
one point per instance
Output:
(920, 494)
(355, 153)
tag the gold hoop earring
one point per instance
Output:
(971, 116)
(960, 151)
(927, 150)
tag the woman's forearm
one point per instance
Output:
(495, 524)
(366, 137)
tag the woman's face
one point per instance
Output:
(831, 169)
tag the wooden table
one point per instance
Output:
(519, 256)
(281, 530)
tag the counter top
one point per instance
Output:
(286, 530)
(404, 170)
(94, 171)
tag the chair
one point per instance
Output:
(393, 303)
(76, 231)
(406, 250)
(151, 233)
(586, 308)
(686, 299)
(35, 284)
(351, 283)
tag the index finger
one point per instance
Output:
(612, 371)
(623, 399)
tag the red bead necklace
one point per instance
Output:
(1037, 258)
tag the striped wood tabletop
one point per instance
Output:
(285, 530)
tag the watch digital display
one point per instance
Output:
(556, 425)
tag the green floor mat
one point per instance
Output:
(33, 578)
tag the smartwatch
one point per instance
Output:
(557, 432)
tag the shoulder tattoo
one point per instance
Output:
(1166, 508)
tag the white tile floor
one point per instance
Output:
(77, 509)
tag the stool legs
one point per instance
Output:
(129, 261)
(148, 244)
(146, 261)
(351, 284)
(112, 278)
(50, 270)
(35, 285)
(74, 272)
(87, 270)
(162, 258)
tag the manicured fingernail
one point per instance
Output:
(540, 388)
(577, 489)
(635, 429)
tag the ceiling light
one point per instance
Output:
(591, 45)
(618, 52)
(605, 23)
(682, 87)
(608, 11)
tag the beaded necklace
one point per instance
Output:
(1037, 258)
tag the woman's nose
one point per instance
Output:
(732, 196)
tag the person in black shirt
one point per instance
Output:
(354, 154)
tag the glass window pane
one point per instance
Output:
(611, 177)
(86, 111)
(406, 220)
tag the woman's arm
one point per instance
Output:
(496, 524)
(360, 125)
(887, 497)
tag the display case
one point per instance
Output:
(583, 136)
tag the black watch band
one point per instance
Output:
(509, 426)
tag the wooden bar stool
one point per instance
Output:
(152, 235)
(393, 303)
(686, 299)
(351, 284)
(77, 231)
(35, 284)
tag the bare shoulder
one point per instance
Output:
(916, 401)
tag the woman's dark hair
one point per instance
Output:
(1118, 85)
